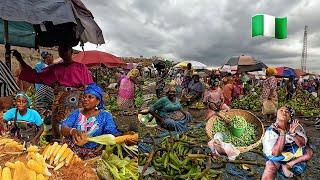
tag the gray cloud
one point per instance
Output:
(206, 30)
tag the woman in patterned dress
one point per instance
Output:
(127, 90)
(91, 120)
(68, 80)
(269, 92)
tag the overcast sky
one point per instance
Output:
(207, 30)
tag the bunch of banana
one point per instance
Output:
(175, 160)
(59, 155)
(10, 145)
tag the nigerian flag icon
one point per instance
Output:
(270, 26)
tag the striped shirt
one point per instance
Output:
(8, 85)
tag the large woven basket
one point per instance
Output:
(250, 117)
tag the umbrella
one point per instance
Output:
(93, 58)
(285, 72)
(194, 65)
(46, 23)
(245, 64)
(300, 72)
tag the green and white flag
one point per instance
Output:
(266, 25)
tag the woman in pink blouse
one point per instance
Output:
(68, 79)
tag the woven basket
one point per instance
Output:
(251, 118)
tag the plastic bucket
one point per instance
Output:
(237, 131)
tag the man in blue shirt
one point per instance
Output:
(47, 59)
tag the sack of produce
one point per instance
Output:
(269, 107)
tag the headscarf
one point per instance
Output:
(170, 88)
(291, 111)
(133, 73)
(95, 90)
(23, 94)
(271, 71)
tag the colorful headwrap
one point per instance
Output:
(271, 71)
(96, 90)
(292, 111)
(133, 73)
(23, 94)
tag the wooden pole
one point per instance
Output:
(6, 43)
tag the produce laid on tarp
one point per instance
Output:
(176, 159)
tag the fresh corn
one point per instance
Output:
(19, 171)
(52, 149)
(55, 152)
(124, 138)
(38, 168)
(65, 154)
(6, 174)
(60, 152)
(59, 166)
(33, 149)
(31, 175)
(68, 160)
(0, 172)
(51, 160)
(10, 165)
(106, 139)
(47, 151)
(40, 177)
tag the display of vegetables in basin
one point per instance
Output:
(247, 138)
(238, 122)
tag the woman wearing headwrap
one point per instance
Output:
(169, 114)
(214, 99)
(285, 146)
(127, 90)
(68, 79)
(269, 94)
(25, 123)
(90, 120)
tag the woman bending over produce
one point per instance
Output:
(168, 112)
(91, 121)
(285, 145)
(24, 123)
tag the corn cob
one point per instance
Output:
(31, 175)
(10, 165)
(124, 138)
(51, 160)
(33, 149)
(52, 149)
(0, 172)
(55, 152)
(65, 154)
(47, 151)
(59, 166)
(19, 171)
(40, 177)
(106, 139)
(6, 174)
(60, 152)
(38, 168)
(69, 159)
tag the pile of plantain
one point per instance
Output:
(174, 160)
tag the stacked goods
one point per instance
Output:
(250, 102)
(8, 145)
(246, 139)
(174, 160)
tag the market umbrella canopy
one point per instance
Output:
(285, 72)
(93, 58)
(48, 23)
(244, 64)
(194, 65)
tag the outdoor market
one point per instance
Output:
(88, 114)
